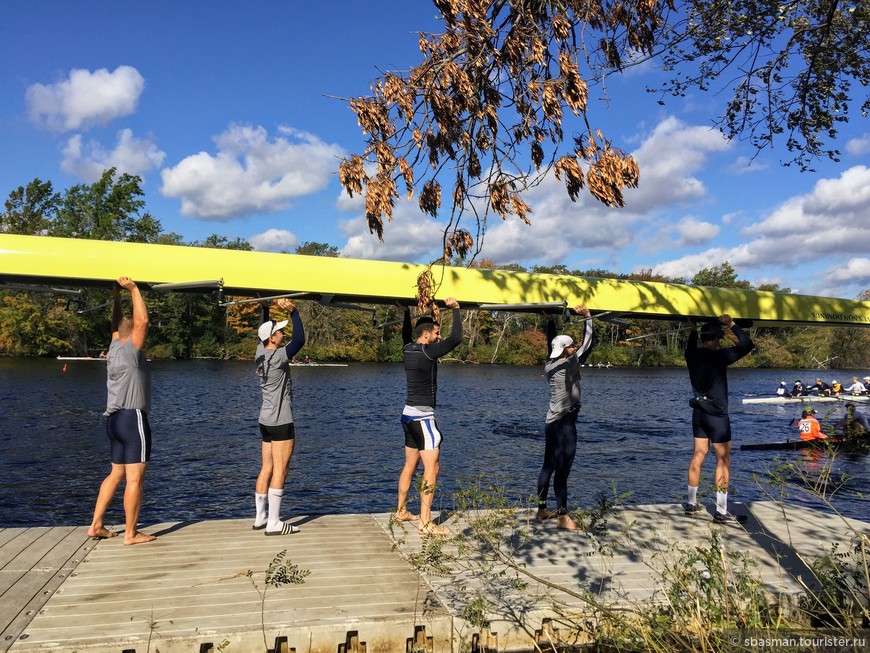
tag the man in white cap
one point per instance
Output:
(272, 361)
(562, 371)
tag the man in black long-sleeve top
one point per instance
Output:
(708, 372)
(422, 437)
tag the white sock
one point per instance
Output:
(274, 509)
(721, 502)
(693, 495)
(261, 507)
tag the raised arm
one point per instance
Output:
(585, 347)
(407, 332)
(140, 312)
(744, 343)
(551, 333)
(452, 341)
(298, 338)
(117, 313)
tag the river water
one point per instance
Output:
(635, 436)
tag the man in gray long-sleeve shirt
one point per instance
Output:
(127, 407)
(562, 370)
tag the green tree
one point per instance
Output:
(30, 209)
(108, 209)
(216, 241)
(311, 248)
(34, 324)
(786, 69)
(720, 276)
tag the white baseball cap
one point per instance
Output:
(268, 328)
(559, 343)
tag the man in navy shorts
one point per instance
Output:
(129, 400)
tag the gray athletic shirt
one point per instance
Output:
(128, 377)
(274, 372)
(563, 377)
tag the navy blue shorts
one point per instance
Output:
(280, 433)
(129, 436)
(716, 428)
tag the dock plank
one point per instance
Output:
(33, 575)
(195, 583)
(195, 578)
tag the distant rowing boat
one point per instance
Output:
(80, 358)
(318, 364)
(792, 445)
(804, 400)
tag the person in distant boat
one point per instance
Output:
(836, 388)
(781, 391)
(307, 360)
(102, 355)
(562, 371)
(808, 426)
(798, 389)
(277, 430)
(708, 372)
(854, 424)
(421, 351)
(819, 387)
(857, 388)
(127, 408)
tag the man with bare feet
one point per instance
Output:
(127, 407)
(562, 371)
(422, 437)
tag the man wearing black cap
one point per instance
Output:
(422, 437)
(708, 372)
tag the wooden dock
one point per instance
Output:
(200, 585)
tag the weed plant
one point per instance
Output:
(705, 590)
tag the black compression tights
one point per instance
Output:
(559, 449)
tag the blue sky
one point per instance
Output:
(233, 115)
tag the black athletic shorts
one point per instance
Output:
(716, 428)
(279, 433)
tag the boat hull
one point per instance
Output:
(47, 260)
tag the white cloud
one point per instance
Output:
(830, 221)
(668, 159)
(744, 165)
(274, 240)
(410, 236)
(856, 271)
(694, 232)
(131, 155)
(250, 173)
(859, 146)
(85, 98)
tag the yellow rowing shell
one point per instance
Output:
(44, 260)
